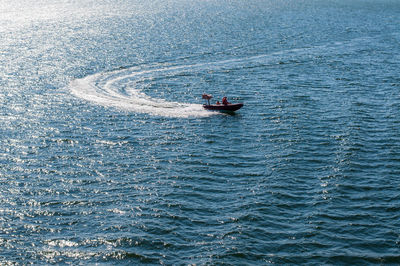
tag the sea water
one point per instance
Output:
(107, 156)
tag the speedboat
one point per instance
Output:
(224, 107)
(230, 107)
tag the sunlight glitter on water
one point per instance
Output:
(99, 163)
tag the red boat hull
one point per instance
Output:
(224, 107)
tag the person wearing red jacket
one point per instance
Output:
(225, 101)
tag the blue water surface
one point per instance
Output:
(107, 156)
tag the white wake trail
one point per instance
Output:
(121, 88)
(105, 89)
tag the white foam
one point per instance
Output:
(105, 89)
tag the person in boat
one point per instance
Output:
(218, 103)
(225, 101)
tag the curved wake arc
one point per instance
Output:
(120, 88)
(117, 89)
